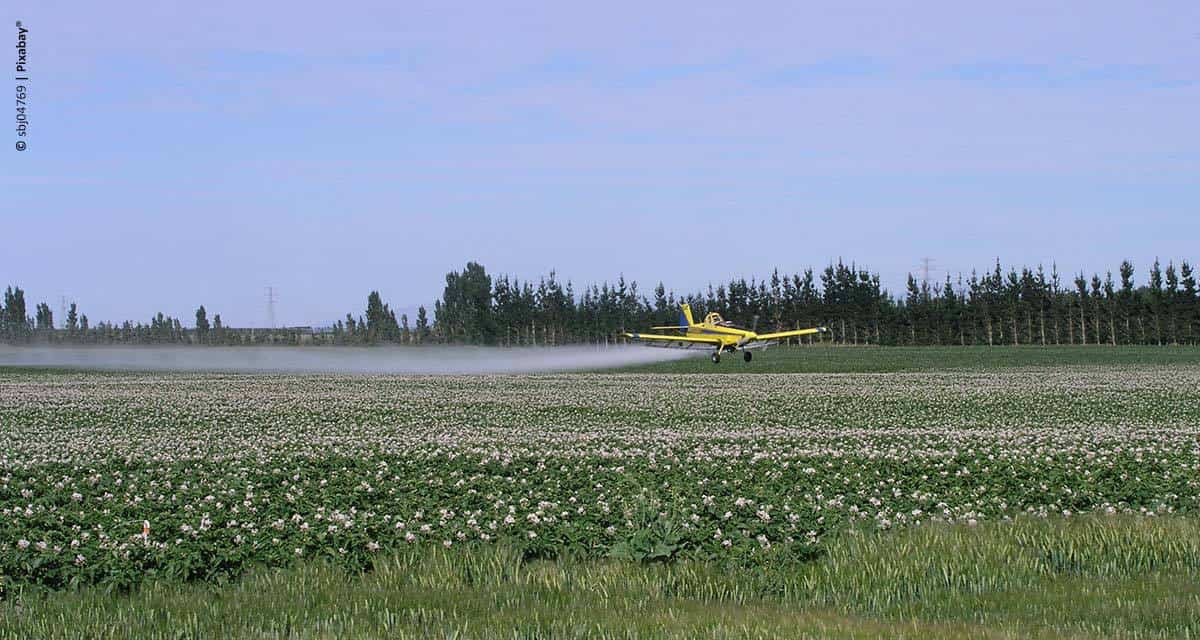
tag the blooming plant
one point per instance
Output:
(115, 478)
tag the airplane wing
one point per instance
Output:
(790, 334)
(678, 342)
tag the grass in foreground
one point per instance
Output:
(1115, 577)
(843, 359)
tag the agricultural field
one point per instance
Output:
(767, 491)
(871, 359)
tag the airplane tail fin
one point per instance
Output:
(685, 315)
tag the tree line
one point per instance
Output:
(1025, 306)
(16, 326)
(997, 307)
(380, 325)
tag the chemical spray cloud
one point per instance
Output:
(361, 360)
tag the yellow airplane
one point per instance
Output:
(716, 333)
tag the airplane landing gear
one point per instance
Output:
(746, 355)
(716, 358)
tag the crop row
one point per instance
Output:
(113, 478)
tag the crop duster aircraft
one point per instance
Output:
(717, 334)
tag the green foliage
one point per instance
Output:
(422, 329)
(14, 325)
(381, 323)
(1015, 308)
(45, 318)
(1130, 578)
(831, 359)
(237, 471)
(653, 536)
(465, 311)
(202, 326)
(998, 499)
(72, 321)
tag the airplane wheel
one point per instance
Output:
(746, 355)
(716, 358)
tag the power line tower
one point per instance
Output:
(272, 298)
(926, 267)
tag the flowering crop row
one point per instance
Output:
(109, 478)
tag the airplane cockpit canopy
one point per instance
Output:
(715, 318)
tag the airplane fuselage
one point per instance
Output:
(717, 334)
(727, 335)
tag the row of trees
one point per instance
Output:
(15, 326)
(1031, 307)
(380, 325)
(1025, 306)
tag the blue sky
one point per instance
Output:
(198, 153)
